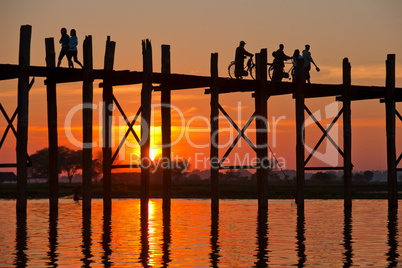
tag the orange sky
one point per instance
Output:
(365, 31)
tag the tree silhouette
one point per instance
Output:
(232, 175)
(40, 164)
(323, 177)
(367, 176)
(97, 164)
(70, 161)
(179, 167)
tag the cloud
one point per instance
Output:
(358, 72)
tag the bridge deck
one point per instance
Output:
(182, 81)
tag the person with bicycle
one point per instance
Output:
(278, 63)
(241, 54)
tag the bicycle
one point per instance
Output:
(285, 74)
(249, 68)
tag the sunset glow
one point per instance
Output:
(153, 153)
(162, 150)
(329, 39)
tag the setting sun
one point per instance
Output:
(153, 153)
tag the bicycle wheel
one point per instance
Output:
(270, 71)
(253, 72)
(231, 70)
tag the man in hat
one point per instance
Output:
(241, 54)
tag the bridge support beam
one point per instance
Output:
(166, 130)
(52, 127)
(22, 125)
(87, 117)
(261, 99)
(390, 126)
(146, 94)
(107, 126)
(347, 135)
(299, 96)
(214, 159)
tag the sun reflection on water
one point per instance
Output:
(190, 236)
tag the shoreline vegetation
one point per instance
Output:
(233, 184)
(232, 190)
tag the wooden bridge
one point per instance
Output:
(261, 89)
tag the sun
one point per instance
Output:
(153, 153)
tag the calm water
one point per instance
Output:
(321, 235)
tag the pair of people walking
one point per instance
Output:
(69, 48)
(280, 57)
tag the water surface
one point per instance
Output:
(190, 236)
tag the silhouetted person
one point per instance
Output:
(64, 40)
(241, 54)
(278, 63)
(72, 50)
(76, 195)
(307, 63)
(296, 56)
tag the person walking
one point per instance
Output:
(295, 58)
(241, 54)
(64, 41)
(72, 49)
(307, 63)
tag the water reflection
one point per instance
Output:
(193, 236)
(214, 255)
(21, 257)
(86, 239)
(106, 238)
(392, 254)
(144, 255)
(167, 238)
(301, 247)
(53, 244)
(262, 238)
(347, 237)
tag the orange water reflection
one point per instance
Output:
(191, 236)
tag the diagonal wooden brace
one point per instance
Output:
(325, 133)
(240, 131)
(130, 128)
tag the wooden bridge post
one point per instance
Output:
(52, 126)
(347, 135)
(390, 125)
(107, 125)
(261, 99)
(214, 160)
(299, 95)
(22, 125)
(146, 94)
(166, 129)
(87, 115)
